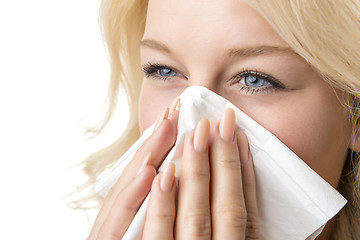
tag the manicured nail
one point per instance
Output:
(248, 159)
(163, 116)
(243, 146)
(167, 178)
(144, 164)
(174, 105)
(244, 158)
(201, 135)
(227, 125)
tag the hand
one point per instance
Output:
(217, 195)
(126, 196)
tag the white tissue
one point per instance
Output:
(294, 202)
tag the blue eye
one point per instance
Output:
(166, 72)
(254, 81)
(158, 71)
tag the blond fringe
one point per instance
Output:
(325, 33)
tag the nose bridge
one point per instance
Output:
(204, 83)
(205, 67)
(206, 78)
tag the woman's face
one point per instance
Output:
(229, 48)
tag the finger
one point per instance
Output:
(228, 208)
(174, 111)
(249, 187)
(174, 117)
(107, 205)
(160, 215)
(193, 215)
(158, 144)
(126, 205)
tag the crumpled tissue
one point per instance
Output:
(294, 202)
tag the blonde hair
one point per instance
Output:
(325, 33)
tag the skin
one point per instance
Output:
(306, 116)
(192, 41)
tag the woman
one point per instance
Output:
(292, 66)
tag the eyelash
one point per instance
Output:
(150, 71)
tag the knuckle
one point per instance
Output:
(229, 162)
(198, 225)
(252, 227)
(225, 155)
(164, 216)
(196, 173)
(234, 215)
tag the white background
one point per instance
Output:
(53, 83)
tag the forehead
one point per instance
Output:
(208, 23)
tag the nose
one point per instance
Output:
(210, 82)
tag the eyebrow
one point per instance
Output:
(234, 52)
(260, 50)
(155, 45)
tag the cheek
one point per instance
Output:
(152, 102)
(314, 126)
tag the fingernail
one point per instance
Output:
(201, 135)
(163, 116)
(227, 125)
(243, 145)
(245, 158)
(144, 164)
(167, 178)
(249, 157)
(174, 105)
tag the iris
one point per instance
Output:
(255, 81)
(167, 72)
